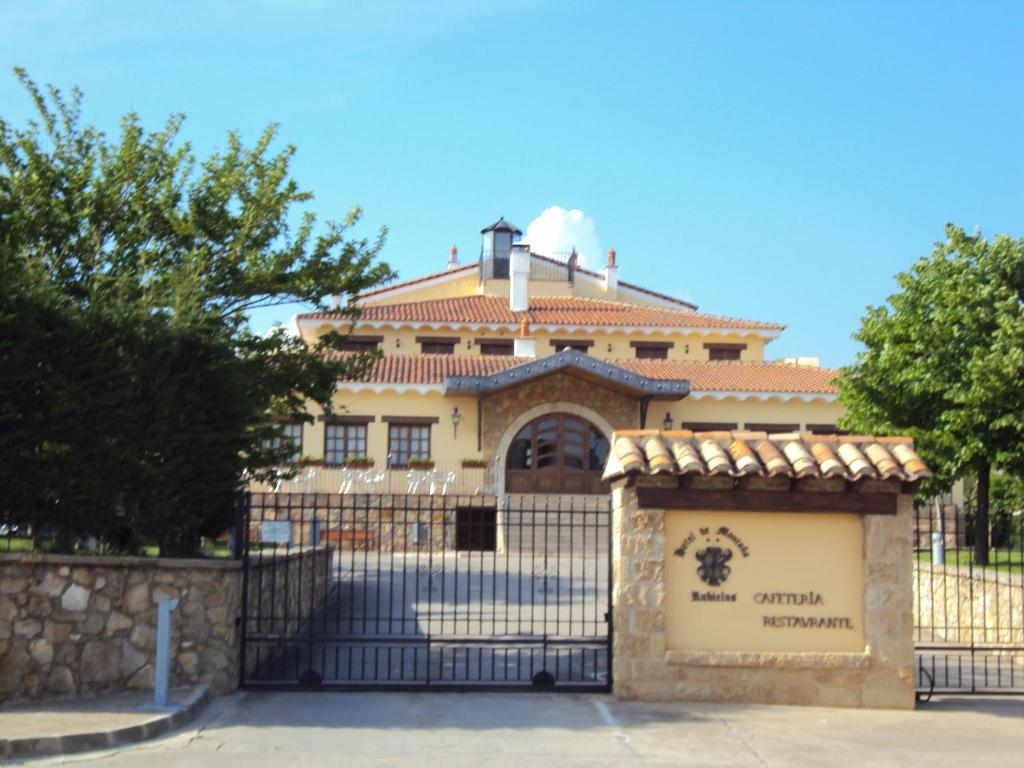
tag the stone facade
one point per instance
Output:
(87, 625)
(501, 409)
(881, 676)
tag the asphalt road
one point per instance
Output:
(490, 729)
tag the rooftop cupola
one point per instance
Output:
(496, 249)
(453, 257)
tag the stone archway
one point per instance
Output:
(501, 453)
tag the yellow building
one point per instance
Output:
(509, 374)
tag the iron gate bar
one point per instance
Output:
(969, 618)
(426, 591)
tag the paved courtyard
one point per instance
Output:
(383, 729)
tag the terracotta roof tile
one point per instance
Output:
(545, 310)
(739, 454)
(703, 376)
(735, 376)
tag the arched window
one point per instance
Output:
(557, 453)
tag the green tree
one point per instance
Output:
(134, 398)
(944, 363)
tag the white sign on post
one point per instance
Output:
(276, 532)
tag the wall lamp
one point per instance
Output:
(456, 420)
(667, 423)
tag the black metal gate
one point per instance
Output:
(968, 617)
(407, 591)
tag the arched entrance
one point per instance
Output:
(556, 453)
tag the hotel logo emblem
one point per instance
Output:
(713, 557)
(713, 569)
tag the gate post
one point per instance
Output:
(243, 517)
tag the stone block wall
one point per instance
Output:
(954, 605)
(882, 676)
(87, 625)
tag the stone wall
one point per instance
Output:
(85, 625)
(881, 676)
(954, 605)
(502, 408)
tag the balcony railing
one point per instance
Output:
(550, 266)
(441, 479)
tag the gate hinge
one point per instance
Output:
(608, 616)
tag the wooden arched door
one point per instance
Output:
(557, 453)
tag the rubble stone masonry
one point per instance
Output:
(85, 625)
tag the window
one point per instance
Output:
(708, 426)
(825, 429)
(361, 343)
(437, 345)
(291, 434)
(407, 442)
(724, 351)
(495, 346)
(652, 353)
(345, 437)
(772, 427)
(652, 350)
(344, 442)
(576, 345)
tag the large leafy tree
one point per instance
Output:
(134, 398)
(944, 363)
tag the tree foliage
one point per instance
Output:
(944, 360)
(134, 398)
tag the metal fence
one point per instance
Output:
(968, 616)
(431, 591)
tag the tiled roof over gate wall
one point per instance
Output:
(758, 454)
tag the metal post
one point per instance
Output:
(163, 652)
(938, 548)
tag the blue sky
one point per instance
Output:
(777, 161)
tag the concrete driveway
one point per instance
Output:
(448, 730)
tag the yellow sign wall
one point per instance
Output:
(744, 581)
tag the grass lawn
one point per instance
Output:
(24, 544)
(1006, 561)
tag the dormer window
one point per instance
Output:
(651, 350)
(437, 345)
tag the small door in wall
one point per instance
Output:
(476, 528)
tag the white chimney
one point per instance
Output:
(611, 274)
(524, 346)
(519, 283)
(453, 257)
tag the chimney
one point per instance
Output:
(524, 346)
(335, 301)
(453, 257)
(611, 274)
(519, 284)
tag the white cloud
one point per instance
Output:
(557, 231)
